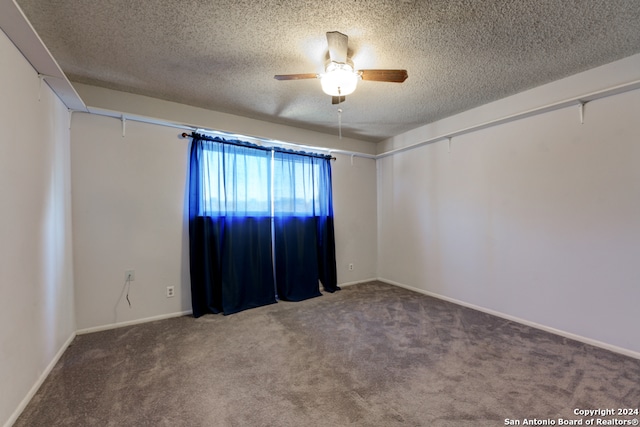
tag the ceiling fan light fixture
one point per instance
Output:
(339, 79)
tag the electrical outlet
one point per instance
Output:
(171, 291)
(130, 275)
(350, 267)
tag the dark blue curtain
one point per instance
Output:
(326, 241)
(303, 225)
(229, 227)
(259, 220)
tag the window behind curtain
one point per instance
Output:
(235, 181)
(236, 185)
(296, 185)
(252, 209)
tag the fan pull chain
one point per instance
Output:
(340, 123)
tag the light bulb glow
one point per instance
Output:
(339, 80)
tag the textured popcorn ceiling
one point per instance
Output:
(222, 55)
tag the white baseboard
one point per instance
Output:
(25, 401)
(34, 389)
(595, 343)
(356, 282)
(132, 322)
(47, 371)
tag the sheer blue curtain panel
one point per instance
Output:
(261, 221)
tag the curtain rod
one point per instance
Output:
(575, 101)
(160, 122)
(302, 153)
(579, 101)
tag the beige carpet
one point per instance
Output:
(369, 355)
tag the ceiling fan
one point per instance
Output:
(340, 78)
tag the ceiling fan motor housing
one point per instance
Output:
(339, 79)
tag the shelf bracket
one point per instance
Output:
(40, 77)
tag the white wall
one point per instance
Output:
(129, 213)
(36, 282)
(128, 205)
(355, 211)
(537, 219)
